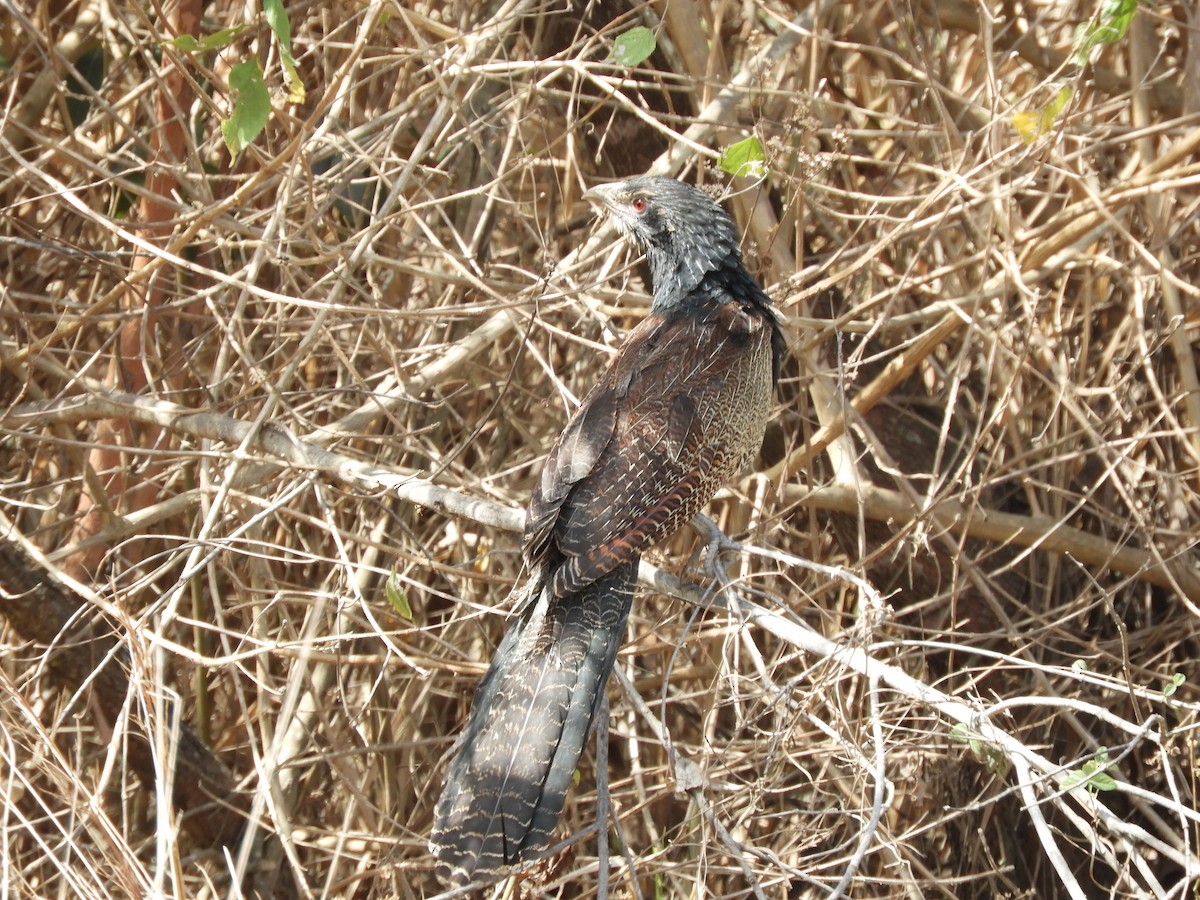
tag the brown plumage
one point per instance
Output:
(680, 410)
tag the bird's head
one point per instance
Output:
(683, 232)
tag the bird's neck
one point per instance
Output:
(683, 292)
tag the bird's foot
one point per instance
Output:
(716, 544)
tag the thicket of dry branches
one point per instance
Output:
(236, 397)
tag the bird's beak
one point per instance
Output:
(602, 196)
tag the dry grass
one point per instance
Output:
(385, 310)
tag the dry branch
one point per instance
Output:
(368, 327)
(88, 655)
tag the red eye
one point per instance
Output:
(639, 204)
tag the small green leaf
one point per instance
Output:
(1032, 125)
(1074, 779)
(633, 47)
(1107, 27)
(251, 106)
(1091, 775)
(1089, 779)
(745, 158)
(984, 751)
(215, 41)
(398, 598)
(184, 42)
(277, 19)
(1175, 683)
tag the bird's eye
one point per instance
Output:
(639, 204)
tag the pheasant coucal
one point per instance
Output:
(682, 407)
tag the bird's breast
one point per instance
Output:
(732, 387)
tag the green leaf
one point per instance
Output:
(1089, 779)
(1107, 27)
(251, 106)
(984, 751)
(633, 47)
(1175, 683)
(215, 41)
(184, 42)
(1074, 779)
(398, 598)
(1032, 125)
(1091, 775)
(745, 158)
(278, 22)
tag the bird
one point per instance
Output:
(681, 408)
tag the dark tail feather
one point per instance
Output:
(532, 713)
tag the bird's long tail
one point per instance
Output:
(532, 713)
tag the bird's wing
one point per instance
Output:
(636, 462)
(571, 459)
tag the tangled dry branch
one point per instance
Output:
(267, 424)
